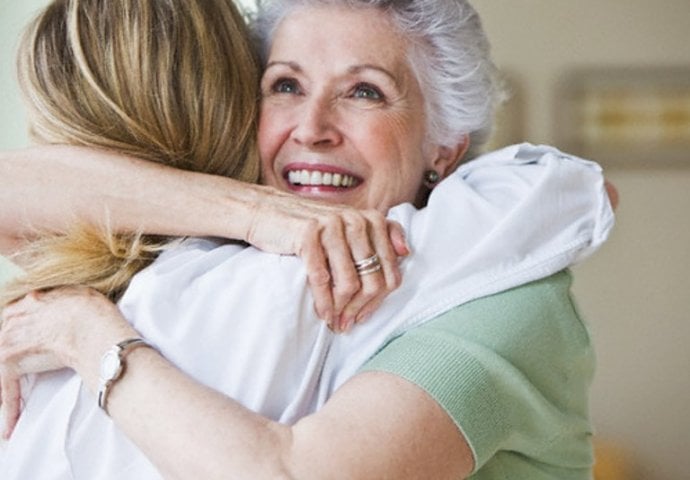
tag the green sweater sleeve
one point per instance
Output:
(513, 371)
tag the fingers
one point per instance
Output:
(318, 276)
(397, 238)
(341, 239)
(10, 403)
(612, 192)
(331, 243)
(369, 236)
(389, 243)
(369, 274)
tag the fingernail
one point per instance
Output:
(346, 324)
(399, 242)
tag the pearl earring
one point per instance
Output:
(431, 177)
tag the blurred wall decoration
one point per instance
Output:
(636, 117)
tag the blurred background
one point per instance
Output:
(609, 79)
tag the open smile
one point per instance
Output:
(319, 178)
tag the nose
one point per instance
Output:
(316, 125)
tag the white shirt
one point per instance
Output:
(242, 321)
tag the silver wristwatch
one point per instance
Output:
(113, 366)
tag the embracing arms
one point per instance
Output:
(376, 426)
(478, 362)
(48, 188)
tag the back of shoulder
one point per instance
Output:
(519, 361)
(537, 304)
(536, 328)
(532, 321)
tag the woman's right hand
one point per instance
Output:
(330, 239)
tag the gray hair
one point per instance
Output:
(450, 56)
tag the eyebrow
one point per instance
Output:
(291, 65)
(368, 66)
(351, 70)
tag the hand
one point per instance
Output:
(29, 338)
(45, 331)
(17, 360)
(330, 239)
(612, 192)
(10, 403)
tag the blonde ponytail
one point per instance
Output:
(86, 255)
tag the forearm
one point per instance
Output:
(184, 428)
(189, 431)
(47, 188)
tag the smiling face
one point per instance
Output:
(342, 114)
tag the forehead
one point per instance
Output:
(340, 36)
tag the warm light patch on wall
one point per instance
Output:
(639, 117)
(643, 115)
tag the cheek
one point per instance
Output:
(264, 134)
(270, 137)
(396, 145)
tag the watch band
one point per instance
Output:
(113, 363)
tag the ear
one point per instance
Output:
(449, 157)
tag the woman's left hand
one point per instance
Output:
(10, 403)
(29, 341)
(46, 331)
(21, 353)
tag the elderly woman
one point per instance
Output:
(464, 391)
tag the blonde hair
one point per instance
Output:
(170, 81)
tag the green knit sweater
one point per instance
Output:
(513, 371)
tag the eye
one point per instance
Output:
(285, 85)
(367, 91)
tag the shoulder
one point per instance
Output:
(535, 319)
(506, 368)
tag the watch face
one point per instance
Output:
(110, 365)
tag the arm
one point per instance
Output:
(520, 363)
(48, 187)
(174, 414)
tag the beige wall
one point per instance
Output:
(13, 15)
(634, 292)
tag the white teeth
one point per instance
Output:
(304, 177)
(316, 178)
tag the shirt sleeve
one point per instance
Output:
(512, 370)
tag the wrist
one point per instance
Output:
(113, 366)
(85, 357)
(240, 208)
